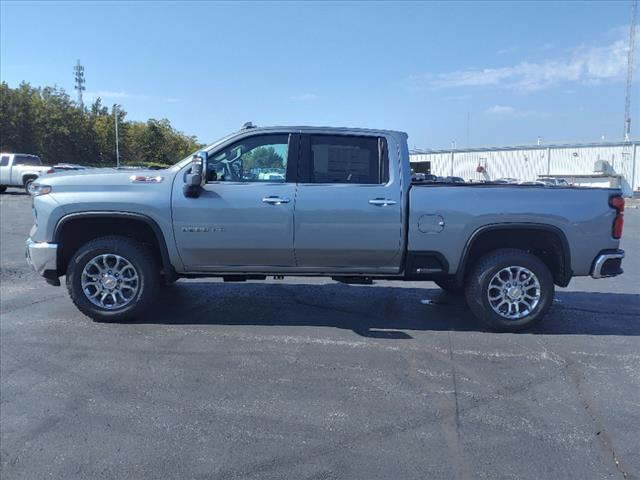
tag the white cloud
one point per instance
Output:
(304, 97)
(507, 50)
(585, 65)
(507, 111)
(457, 98)
(109, 94)
(501, 110)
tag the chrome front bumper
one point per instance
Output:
(42, 256)
(608, 264)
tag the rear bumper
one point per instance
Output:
(42, 257)
(608, 263)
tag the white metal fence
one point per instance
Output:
(527, 163)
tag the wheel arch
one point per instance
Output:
(113, 218)
(28, 176)
(481, 242)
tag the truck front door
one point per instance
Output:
(244, 215)
(348, 205)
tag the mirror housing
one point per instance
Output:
(197, 177)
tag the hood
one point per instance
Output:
(103, 177)
(88, 171)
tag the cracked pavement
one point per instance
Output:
(308, 378)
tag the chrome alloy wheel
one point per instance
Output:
(514, 292)
(110, 281)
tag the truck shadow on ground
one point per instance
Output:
(376, 312)
(18, 193)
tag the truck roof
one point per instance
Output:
(309, 128)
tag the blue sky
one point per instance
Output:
(517, 70)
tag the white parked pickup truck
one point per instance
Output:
(20, 170)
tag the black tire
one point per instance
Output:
(3, 189)
(27, 183)
(135, 253)
(450, 285)
(487, 267)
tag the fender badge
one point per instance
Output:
(202, 229)
(145, 179)
(195, 229)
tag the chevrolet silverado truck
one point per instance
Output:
(304, 201)
(20, 170)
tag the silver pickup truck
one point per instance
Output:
(20, 170)
(307, 201)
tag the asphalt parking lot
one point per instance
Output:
(314, 379)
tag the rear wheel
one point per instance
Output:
(27, 184)
(2, 188)
(510, 290)
(113, 279)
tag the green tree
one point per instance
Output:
(47, 122)
(262, 157)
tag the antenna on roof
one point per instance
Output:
(247, 126)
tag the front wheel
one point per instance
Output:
(510, 290)
(113, 279)
(2, 188)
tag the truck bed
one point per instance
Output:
(444, 217)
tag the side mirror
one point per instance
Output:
(196, 179)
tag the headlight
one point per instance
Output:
(37, 189)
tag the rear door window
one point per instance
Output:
(4, 161)
(344, 159)
(26, 160)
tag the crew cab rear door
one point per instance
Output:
(243, 219)
(348, 212)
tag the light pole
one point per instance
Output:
(115, 116)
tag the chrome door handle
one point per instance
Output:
(275, 200)
(382, 202)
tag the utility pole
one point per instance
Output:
(115, 116)
(78, 72)
(630, 55)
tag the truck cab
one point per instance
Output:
(333, 194)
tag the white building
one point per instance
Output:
(595, 164)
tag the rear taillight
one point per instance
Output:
(51, 170)
(618, 222)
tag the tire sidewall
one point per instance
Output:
(141, 263)
(479, 301)
(27, 183)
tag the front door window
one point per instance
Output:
(261, 158)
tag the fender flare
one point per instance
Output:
(169, 270)
(567, 272)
